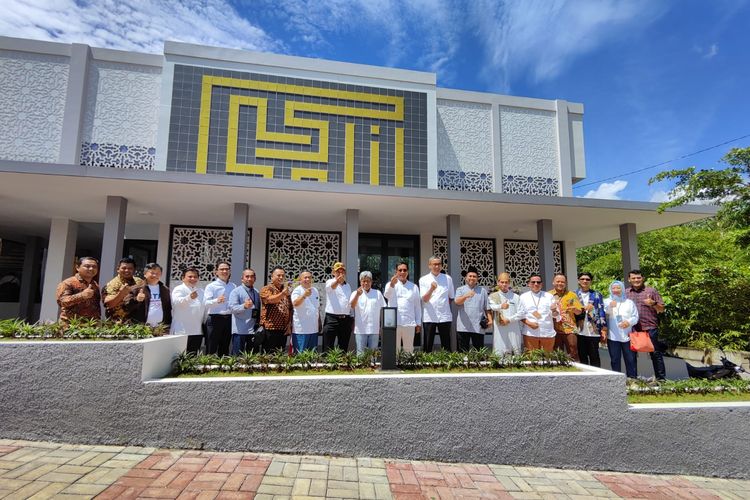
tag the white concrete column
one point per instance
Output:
(114, 235)
(258, 254)
(629, 243)
(500, 259)
(162, 254)
(75, 102)
(563, 149)
(32, 268)
(570, 263)
(453, 232)
(351, 248)
(425, 251)
(60, 254)
(239, 241)
(545, 253)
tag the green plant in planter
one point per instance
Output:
(248, 359)
(185, 362)
(9, 327)
(306, 359)
(334, 358)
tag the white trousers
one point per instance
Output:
(507, 338)
(405, 334)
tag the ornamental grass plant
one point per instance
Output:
(78, 328)
(337, 360)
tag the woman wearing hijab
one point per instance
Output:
(622, 314)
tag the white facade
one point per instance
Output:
(214, 153)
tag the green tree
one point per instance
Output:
(728, 187)
(701, 274)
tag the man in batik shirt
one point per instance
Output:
(116, 292)
(567, 305)
(78, 296)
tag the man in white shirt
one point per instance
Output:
(436, 290)
(338, 321)
(306, 321)
(366, 302)
(404, 296)
(471, 300)
(504, 303)
(187, 309)
(536, 311)
(216, 301)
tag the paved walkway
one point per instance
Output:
(48, 470)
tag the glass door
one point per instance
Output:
(381, 253)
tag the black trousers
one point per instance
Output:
(467, 340)
(194, 343)
(218, 334)
(588, 350)
(270, 340)
(443, 329)
(337, 327)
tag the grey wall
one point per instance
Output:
(94, 393)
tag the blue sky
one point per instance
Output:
(659, 79)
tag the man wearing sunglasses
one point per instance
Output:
(536, 310)
(404, 296)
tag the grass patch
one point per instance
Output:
(722, 397)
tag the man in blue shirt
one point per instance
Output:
(244, 302)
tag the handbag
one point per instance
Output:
(641, 342)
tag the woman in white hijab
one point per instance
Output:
(622, 314)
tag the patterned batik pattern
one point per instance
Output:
(476, 252)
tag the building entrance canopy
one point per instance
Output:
(32, 195)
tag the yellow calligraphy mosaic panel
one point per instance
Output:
(277, 144)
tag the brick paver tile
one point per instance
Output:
(85, 489)
(98, 459)
(26, 491)
(318, 487)
(160, 493)
(251, 483)
(301, 487)
(49, 491)
(233, 495)
(234, 481)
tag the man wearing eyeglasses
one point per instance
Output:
(536, 310)
(216, 300)
(404, 296)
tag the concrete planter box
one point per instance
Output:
(108, 392)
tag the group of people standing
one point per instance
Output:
(235, 318)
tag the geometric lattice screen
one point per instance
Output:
(476, 252)
(201, 247)
(522, 259)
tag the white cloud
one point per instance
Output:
(423, 34)
(660, 196)
(541, 38)
(607, 190)
(707, 52)
(136, 25)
